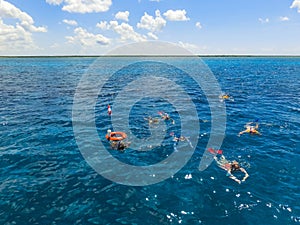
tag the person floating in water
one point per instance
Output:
(224, 97)
(152, 120)
(231, 167)
(166, 116)
(250, 129)
(119, 145)
(116, 140)
(178, 138)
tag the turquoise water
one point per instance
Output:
(45, 179)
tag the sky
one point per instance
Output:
(94, 27)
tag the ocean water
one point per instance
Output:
(44, 178)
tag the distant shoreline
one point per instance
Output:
(204, 56)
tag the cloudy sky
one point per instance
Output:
(89, 27)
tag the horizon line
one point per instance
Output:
(133, 55)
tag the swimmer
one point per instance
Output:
(226, 97)
(178, 138)
(166, 116)
(231, 167)
(152, 120)
(250, 129)
(119, 145)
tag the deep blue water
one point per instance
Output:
(44, 178)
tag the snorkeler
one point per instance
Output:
(178, 138)
(250, 129)
(166, 116)
(224, 97)
(119, 145)
(231, 167)
(152, 120)
(116, 140)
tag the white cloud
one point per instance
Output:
(176, 15)
(284, 18)
(82, 6)
(152, 24)
(296, 4)
(8, 10)
(54, 2)
(15, 38)
(70, 22)
(126, 31)
(122, 16)
(264, 20)
(154, 0)
(103, 25)
(85, 38)
(151, 35)
(198, 25)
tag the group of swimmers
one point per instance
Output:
(233, 166)
(117, 142)
(230, 166)
(117, 138)
(166, 117)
